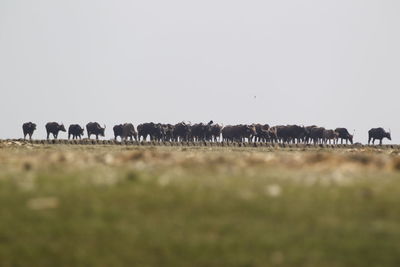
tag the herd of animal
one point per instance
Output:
(211, 132)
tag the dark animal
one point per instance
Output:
(214, 132)
(317, 134)
(182, 132)
(76, 131)
(250, 133)
(117, 129)
(159, 133)
(343, 134)
(279, 133)
(155, 131)
(202, 132)
(273, 135)
(128, 131)
(379, 134)
(28, 128)
(307, 137)
(291, 133)
(228, 133)
(168, 130)
(330, 135)
(95, 129)
(298, 133)
(262, 133)
(238, 133)
(198, 132)
(54, 128)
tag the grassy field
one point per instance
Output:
(77, 205)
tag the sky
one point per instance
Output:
(329, 63)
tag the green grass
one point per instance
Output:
(118, 206)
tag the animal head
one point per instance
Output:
(388, 136)
(250, 129)
(272, 133)
(102, 130)
(62, 128)
(351, 138)
(159, 129)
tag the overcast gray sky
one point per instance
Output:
(331, 63)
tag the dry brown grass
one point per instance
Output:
(106, 205)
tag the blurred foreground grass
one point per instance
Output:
(128, 206)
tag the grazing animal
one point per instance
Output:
(28, 128)
(54, 128)
(379, 134)
(95, 129)
(343, 134)
(76, 131)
